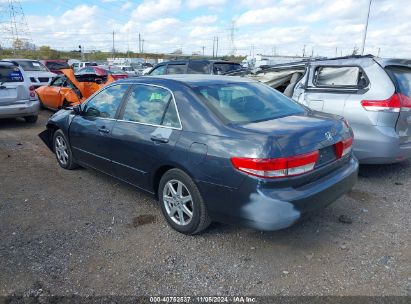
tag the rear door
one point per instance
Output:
(401, 76)
(12, 87)
(90, 132)
(145, 134)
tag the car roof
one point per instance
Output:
(197, 60)
(22, 59)
(189, 79)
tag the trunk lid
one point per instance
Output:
(299, 134)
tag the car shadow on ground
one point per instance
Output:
(381, 171)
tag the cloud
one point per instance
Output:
(206, 19)
(194, 4)
(265, 15)
(149, 8)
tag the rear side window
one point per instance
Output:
(347, 76)
(10, 73)
(402, 78)
(198, 67)
(176, 69)
(159, 70)
(105, 104)
(222, 68)
(151, 105)
(57, 65)
(246, 102)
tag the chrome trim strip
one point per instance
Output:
(132, 168)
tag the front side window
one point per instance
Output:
(159, 70)
(151, 105)
(241, 103)
(176, 69)
(105, 104)
(339, 77)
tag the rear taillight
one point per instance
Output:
(343, 147)
(405, 102)
(32, 92)
(392, 104)
(276, 167)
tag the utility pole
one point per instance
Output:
(142, 45)
(336, 51)
(113, 52)
(365, 28)
(216, 50)
(378, 54)
(213, 45)
(203, 49)
(139, 43)
(304, 51)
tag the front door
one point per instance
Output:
(90, 132)
(145, 134)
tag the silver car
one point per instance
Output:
(373, 95)
(17, 95)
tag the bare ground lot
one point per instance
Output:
(81, 232)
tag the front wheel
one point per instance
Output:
(181, 203)
(63, 151)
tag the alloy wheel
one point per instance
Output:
(61, 150)
(178, 202)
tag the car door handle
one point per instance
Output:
(103, 130)
(159, 139)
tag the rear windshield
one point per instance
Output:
(240, 103)
(57, 65)
(222, 68)
(402, 78)
(32, 65)
(10, 73)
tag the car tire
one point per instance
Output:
(62, 151)
(31, 118)
(178, 204)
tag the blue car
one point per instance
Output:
(210, 148)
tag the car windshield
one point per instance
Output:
(10, 73)
(402, 76)
(241, 103)
(28, 65)
(90, 64)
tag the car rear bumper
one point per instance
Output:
(273, 208)
(380, 145)
(20, 109)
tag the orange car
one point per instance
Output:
(66, 90)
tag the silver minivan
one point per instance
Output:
(373, 95)
(17, 95)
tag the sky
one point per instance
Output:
(282, 27)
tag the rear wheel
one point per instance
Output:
(181, 203)
(31, 118)
(63, 151)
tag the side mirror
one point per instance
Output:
(76, 110)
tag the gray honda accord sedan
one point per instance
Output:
(210, 148)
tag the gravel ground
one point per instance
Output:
(81, 232)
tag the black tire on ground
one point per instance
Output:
(60, 145)
(200, 219)
(31, 118)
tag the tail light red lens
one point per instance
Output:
(276, 167)
(405, 102)
(392, 104)
(343, 147)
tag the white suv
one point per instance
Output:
(17, 95)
